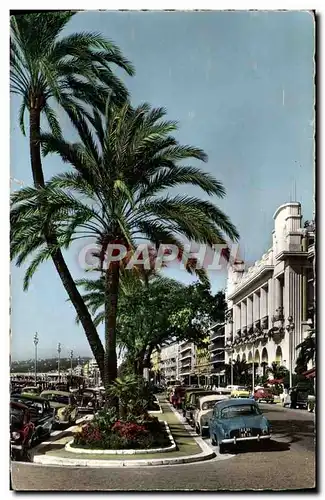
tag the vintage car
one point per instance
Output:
(263, 395)
(41, 414)
(203, 412)
(240, 392)
(88, 401)
(21, 431)
(301, 398)
(177, 396)
(191, 402)
(64, 404)
(236, 421)
(31, 390)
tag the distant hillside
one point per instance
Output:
(44, 365)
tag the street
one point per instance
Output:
(289, 463)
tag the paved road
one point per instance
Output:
(289, 463)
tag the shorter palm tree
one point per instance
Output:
(277, 371)
(307, 352)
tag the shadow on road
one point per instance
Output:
(260, 447)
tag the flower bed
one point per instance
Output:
(106, 432)
(73, 447)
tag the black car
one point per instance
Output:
(41, 414)
(89, 401)
(21, 431)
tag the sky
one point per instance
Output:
(241, 86)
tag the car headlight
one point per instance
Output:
(265, 430)
(90, 404)
(15, 435)
(226, 434)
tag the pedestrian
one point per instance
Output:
(294, 397)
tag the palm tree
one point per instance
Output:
(278, 371)
(112, 196)
(45, 70)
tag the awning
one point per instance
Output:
(310, 373)
(275, 381)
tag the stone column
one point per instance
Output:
(256, 307)
(294, 281)
(270, 303)
(243, 315)
(236, 318)
(249, 311)
(278, 295)
(263, 303)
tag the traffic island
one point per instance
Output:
(186, 450)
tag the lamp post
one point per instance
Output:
(71, 359)
(59, 352)
(35, 344)
(231, 369)
(290, 328)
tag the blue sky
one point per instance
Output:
(241, 86)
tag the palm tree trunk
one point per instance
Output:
(57, 257)
(147, 361)
(111, 297)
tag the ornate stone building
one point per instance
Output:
(271, 304)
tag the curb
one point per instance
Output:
(190, 430)
(172, 447)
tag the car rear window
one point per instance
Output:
(240, 411)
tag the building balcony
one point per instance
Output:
(216, 345)
(185, 347)
(217, 349)
(217, 335)
(217, 361)
(187, 356)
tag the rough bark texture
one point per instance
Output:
(57, 257)
(112, 279)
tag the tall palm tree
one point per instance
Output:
(71, 71)
(112, 196)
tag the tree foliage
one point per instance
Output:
(121, 166)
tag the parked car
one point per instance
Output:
(21, 431)
(240, 392)
(264, 394)
(64, 404)
(203, 412)
(237, 420)
(301, 398)
(31, 390)
(191, 402)
(177, 396)
(88, 401)
(41, 414)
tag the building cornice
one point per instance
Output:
(252, 280)
(287, 254)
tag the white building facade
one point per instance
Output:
(169, 369)
(270, 305)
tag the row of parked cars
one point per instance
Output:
(229, 415)
(33, 414)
